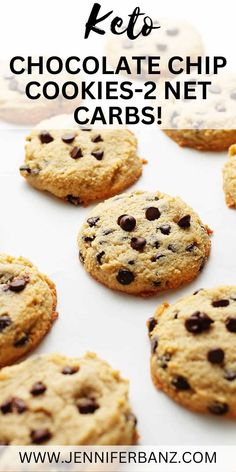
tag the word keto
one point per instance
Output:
(140, 65)
(117, 23)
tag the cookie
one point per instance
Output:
(27, 307)
(229, 176)
(205, 125)
(143, 243)
(174, 37)
(65, 401)
(16, 107)
(81, 165)
(193, 356)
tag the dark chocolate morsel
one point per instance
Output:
(45, 137)
(165, 229)
(39, 436)
(138, 243)
(5, 321)
(98, 155)
(87, 406)
(22, 341)
(99, 257)
(97, 139)
(198, 322)
(76, 152)
(152, 322)
(127, 222)
(154, 344)
(68, 138)
(13, 405)
(180, 383)
(230, 324)
(152, 213)
(93, 221)
(230, 375)
(18, 284)
(74, 200)
(70, 370)
(216, 356)
(38, 388)
(218, 408)
(184, 222)
(125, 277)
(220, 303)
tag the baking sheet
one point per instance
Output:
(91, 317)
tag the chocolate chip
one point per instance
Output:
(184, 222)
(216, 356)
(156, 258)
(76, 152)
(233, 297)
(97, 139)
(220, 303)
(98, 155)
(215, 89)
(190, 247)
(88, 239)
(18, 284)
(197, 291)
(180, 383)
(74, 200)
(85, 129)
(152, 322)
(87, 406)
(131, 262)
(161, 47)
(157, 283)
(125, 277)
(38, 388)
(68, 138)
(231, 324)
(218, 408)
(25, 169)
(152, 213)
(39, 436)
(233, 95)
(99, 257)
(70, 370)
(107, 231)
(154, 344)
(230, 376)
(165, 229)
(198, 322)
(45, 137)
(22, 341)
(127, 222)
(5, 321)
(156, 244)
(172, 248)
(138, 243)
(13, 405)
(93, 221)
(172, 31)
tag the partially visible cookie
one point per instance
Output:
(81, 165)
(203, 124)
(143, 243)
(174, 37)
(16, 107)
(229, 176)
(27, 307)
(65, 401)
(193, 344)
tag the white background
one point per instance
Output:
(44, 229)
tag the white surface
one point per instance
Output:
(95, 318)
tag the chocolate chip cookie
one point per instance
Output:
(174, 37)
(27, 307)
(143, 243)
(203, 124)
(193, 350)
(229, 176)
(65, 401)
(16, 107)
(81, 165)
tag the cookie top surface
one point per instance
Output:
(143, 242)
(216, 112)
(27, 307)
(81, 165)
(172, 38)
(194, 350)
(59, 400)
(229, 175)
